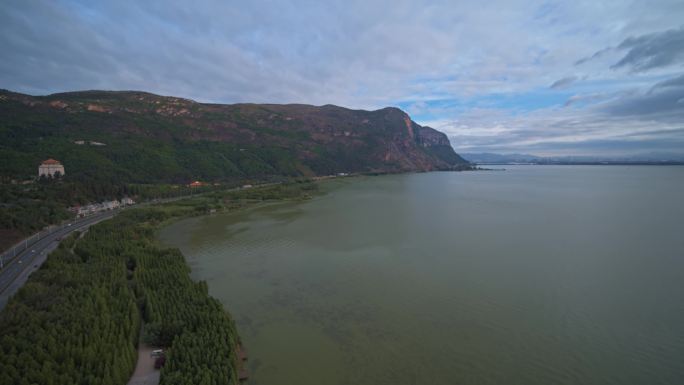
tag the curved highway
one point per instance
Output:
(15, 271)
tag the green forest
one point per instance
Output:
(79, 318)
(139, 148)
(28, 208)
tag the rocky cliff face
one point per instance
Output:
(216, 141)
(429, 137)
(416, 148)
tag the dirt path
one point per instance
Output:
(145, 373)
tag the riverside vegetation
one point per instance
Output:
(78, 318)
(28, 208)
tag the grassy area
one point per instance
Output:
(76, 320)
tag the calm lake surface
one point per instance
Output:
(534, 275)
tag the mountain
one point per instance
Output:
(130, 136)
(487, 157)
(647, 158)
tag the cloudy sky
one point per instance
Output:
(542, 77)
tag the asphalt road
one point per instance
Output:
(145, 373)
(17, 270)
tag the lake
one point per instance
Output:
(533, 275)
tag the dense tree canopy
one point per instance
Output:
(78, 318)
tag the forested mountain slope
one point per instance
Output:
(137, 137)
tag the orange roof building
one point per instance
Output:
(50, 168)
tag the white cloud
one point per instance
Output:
(355, 53)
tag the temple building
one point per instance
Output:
(50, 167)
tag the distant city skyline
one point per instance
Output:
(548, 78)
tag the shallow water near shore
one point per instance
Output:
(533, 275)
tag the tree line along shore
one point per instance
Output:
(80, 317)
(27, 208)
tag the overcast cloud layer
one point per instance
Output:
(542, 77)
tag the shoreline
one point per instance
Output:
(138, 280)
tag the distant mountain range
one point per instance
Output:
(652, 158)
(145, 138)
